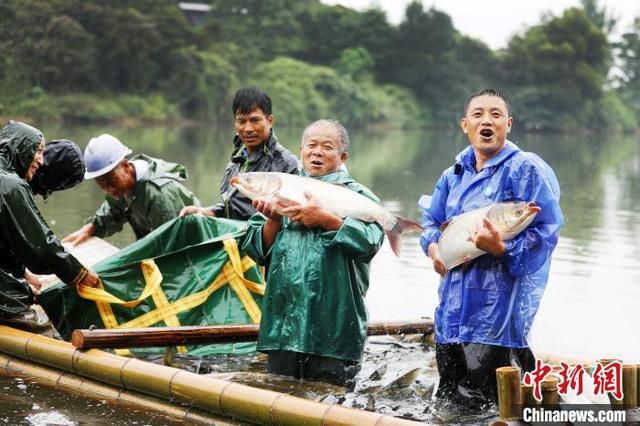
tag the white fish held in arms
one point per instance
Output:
(456, 243)
(283, 190)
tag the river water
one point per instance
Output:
(589, 308)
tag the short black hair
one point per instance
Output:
(490, 92)
(249, 98)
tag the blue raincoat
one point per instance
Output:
(494, 300)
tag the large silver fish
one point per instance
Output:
(456, 244)
(283, 190)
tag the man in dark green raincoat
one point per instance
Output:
(25, 238)
(143, 191)
(314, 319)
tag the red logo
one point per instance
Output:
(608, 378)
(571, 378)
(535, 377)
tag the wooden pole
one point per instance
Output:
(508, 392)
(638, 383)
(550, 397)
(526, 396)
(191, 335)
(629, 386)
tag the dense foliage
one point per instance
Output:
(90, 59)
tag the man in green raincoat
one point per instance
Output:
(25, 239)
(143, 191)
(314, 319)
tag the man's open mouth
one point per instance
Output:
(316, 162)
(487, 133)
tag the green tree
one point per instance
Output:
(435, 62)
(599, 15)
(556, 72)
(265, 28)
(201, 84)
(629, 55)
(67, 55)
(329, 30)
(355, 62)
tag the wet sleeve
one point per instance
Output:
(434, 215)
(359, 240)
(164, 202)
(218, 210)
(529, 250)
(252, 242)
(107, 220)
(30, 238)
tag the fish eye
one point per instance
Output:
(519, 212)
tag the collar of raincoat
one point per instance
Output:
(18, 146)
(341, 177)
(468, 157)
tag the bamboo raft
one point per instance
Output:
(213, 396)
(170, 391)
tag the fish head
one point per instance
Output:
(257, 185)
(512, 218)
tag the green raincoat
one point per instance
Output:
(314, 301)
(158, 197)
(25, 238)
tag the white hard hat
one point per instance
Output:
(103, 154)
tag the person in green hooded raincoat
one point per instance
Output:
(143, 191)
(314, 318)
(25, 238)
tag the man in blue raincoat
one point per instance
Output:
(314, 320)
(487, 306)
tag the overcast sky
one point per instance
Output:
(495, 21)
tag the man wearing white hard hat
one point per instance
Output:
(143, 191)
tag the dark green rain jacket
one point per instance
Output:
(25, 238)
(272, 157)
(317, 281)
(157, 198)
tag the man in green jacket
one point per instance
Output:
(25, 239)
(144, 191)
(314, 319)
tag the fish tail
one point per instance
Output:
(401, 226)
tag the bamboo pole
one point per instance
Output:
(214, 395)
(629, 386)
(550, 397)
(72, 383)
(527, 400)
(638, 383)
(508, 392)
(190, 335)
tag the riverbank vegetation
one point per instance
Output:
(89, 60)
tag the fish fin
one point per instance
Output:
(401, 226)
(282, 202)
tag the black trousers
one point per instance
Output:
(313, 367)
(468, 370)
